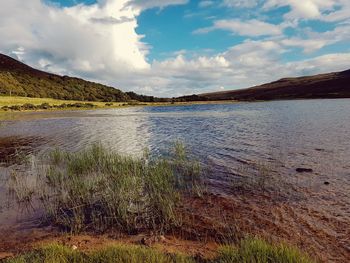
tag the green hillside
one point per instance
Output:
(18, 79)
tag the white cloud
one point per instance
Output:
(240, 3)
(147, 4)
(313, 9)
(99, 42)
(76, 39)
(340, 14)
(204, 4)
(243, 65)
(244, 28)
(314, 41)
(322, 64)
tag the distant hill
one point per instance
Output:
(19, 79)
(331, 85)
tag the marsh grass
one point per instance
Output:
(97, 189)
(55, 253)
(248, 251)
(260, 176)
(254, 250)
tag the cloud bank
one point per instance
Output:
(99, 42)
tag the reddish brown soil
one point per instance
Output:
(12, 244)
(321, 235)
(213, 219)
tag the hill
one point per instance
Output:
(19, 79)
(331, 85)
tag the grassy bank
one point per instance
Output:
(13, 103)
(7, 101)
(248, 251)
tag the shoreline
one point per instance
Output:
(98, 105)
(54, 105)
(210, 224)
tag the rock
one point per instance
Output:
(162, 238)
(326, 183)
(146, 241)
(150, 240)
(74, 247)
(304, 170)
(143, 241)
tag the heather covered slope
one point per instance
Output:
(19, 79)
(331, 85)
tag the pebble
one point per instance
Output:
(304, 170)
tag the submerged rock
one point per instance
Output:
(304, 170)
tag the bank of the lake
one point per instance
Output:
(26, 104)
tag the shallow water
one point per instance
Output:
(287, 134)
(281, 135)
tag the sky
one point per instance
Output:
(169, 48)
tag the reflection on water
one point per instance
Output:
(313, 134)
(283, 134)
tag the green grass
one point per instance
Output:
(20, 102)
(13, 100)
(98, 189)
(259, 251)
(115, 254)
(248, 251)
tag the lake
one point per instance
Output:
(229, 139)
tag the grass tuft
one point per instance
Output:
(119, 253)
(259, 251)
(97, 189)
(248, 251)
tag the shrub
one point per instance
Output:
(15, 107)
(89, 105)
(28, 106)
(44, 106)
(62, 106)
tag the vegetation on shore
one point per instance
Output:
(14, 103)
(8, 103)
(100, 191)
(248, 251)
(97, 189)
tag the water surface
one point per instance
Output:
(282, 135)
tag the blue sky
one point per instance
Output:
(175, 47)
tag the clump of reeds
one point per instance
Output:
(260, 176)
(98, 189)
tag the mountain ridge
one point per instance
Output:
(327, 85)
